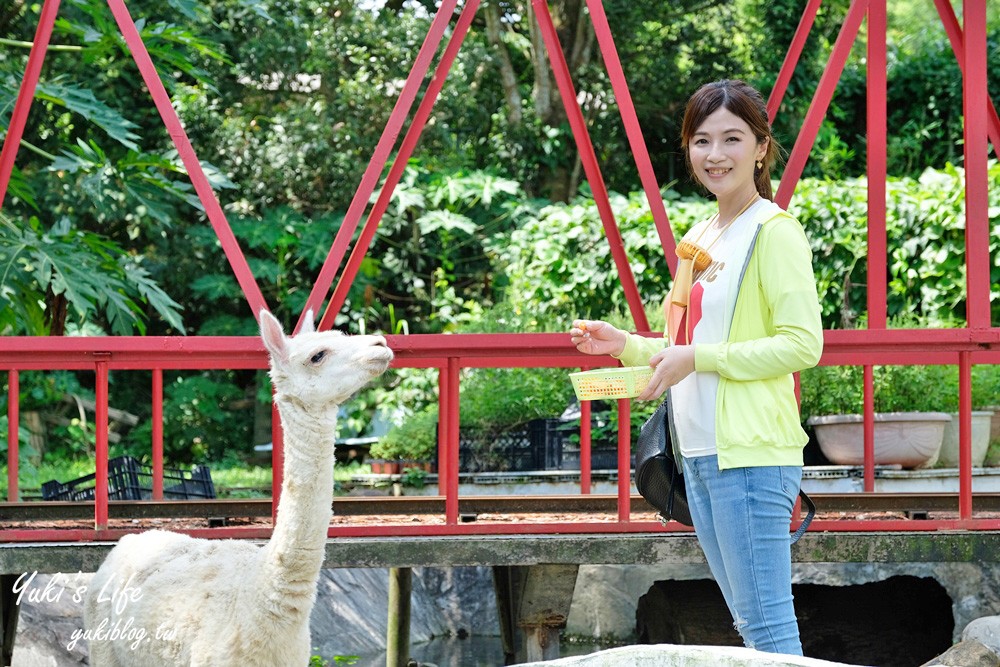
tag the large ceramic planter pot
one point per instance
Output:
(981, 423)
(908, 439)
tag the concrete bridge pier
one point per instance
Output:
(533, 604)
(9, 612)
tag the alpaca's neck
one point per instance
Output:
(294, 555)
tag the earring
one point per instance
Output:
(760, 165)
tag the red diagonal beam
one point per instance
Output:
(381, 155)
(876, 156)
(957, 39)
(399, 164)
(977, 233)
(213, 210)
(589, 160)
(820, 102)
(633, 131)
(26, 94)
(792, 58)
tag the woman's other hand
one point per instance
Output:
(672, 365)
(597, 337)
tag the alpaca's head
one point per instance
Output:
(321, 368)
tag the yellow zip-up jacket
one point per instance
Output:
(775, 330)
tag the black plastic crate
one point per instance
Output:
(130, 480)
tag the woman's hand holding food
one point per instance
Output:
(597, 337)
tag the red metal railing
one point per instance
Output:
(961, 347)
(450, 354)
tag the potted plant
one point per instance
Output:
(908, 401)
(410, 444)
(985, 396)
(497, 408)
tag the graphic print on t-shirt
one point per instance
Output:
(693, 312)
(713, 297)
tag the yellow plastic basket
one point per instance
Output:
(607, 383)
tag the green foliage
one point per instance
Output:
(559, 259)
(292, 122)
(205, 416)
(97, 163)
(926, 245)
(68, 433)
(414, 477)
(924, 86)
(26, 466)
(604, 422)
(986, 386)
(319, 661)
(830, 390)
(497, 399)
(414, 438)
(492, 401)
(93, 276)
(839, 389)
(31, 476)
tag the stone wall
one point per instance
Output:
(351, 610)
(349, 617)
(607, 596)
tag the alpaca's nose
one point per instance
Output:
(379, 341)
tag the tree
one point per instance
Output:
(91, 169)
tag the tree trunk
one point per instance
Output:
(507, 76)
(576, 37)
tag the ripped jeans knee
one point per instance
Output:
(740, 625)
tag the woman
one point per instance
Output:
(747, 320)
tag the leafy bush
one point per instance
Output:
(492, 400)
(926, 246)
(558, 259)
(58, 276)
(830, 390)
(604, 422)
(415, 438)
(205, 416)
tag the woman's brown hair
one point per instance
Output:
(744, 101)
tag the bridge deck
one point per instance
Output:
(637, 548)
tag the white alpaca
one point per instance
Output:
(162, 598)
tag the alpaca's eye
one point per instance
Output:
(318, 357)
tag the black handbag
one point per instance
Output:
(660, 480)
(658, 477)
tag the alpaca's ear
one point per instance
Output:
(273, 336)
(308, 325)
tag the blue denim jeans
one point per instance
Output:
(741, 517)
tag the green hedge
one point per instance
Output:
(558, 259)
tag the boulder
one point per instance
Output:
(969, 653)
(669, 655)
(985, 630)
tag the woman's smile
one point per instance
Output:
(724, 150)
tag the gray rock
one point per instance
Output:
(985, 630)
(605, 599)
(445, 602)
(667, 655)
(50, 622)
(968, 653)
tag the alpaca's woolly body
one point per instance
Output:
(223, 603)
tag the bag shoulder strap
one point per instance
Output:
(810, 513)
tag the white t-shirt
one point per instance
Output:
(713, 295)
